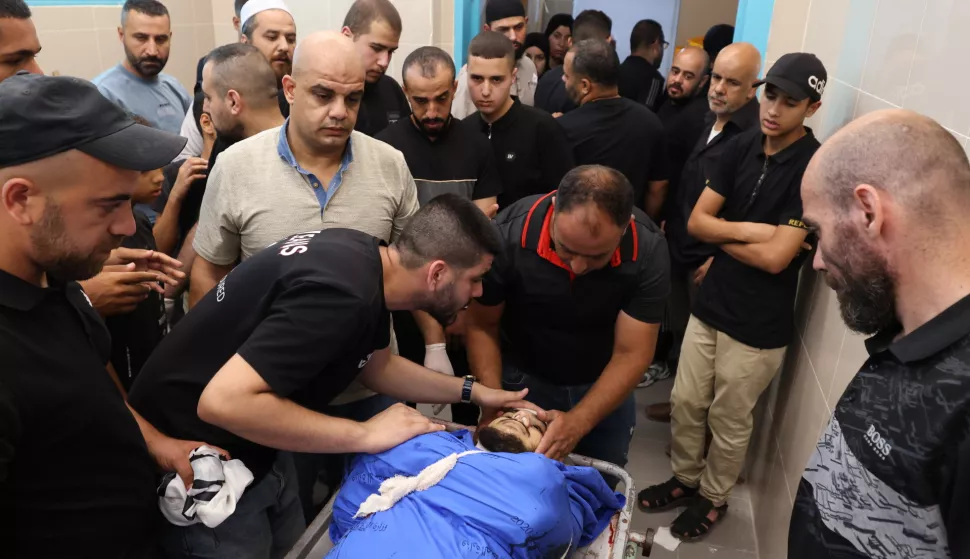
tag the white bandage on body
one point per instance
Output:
(398, 487)
(216, 489)
(254, 7)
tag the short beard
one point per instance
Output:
(233, 134)
(139, 64)
(441, 306)
(865, 287)
(56, 254)
(497, 441)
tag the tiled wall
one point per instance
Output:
(697, 16)
(879, 54)
(83, 40)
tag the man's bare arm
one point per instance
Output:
(774, 255)
(205, 275)
(483, 324)
(656, 193)
(704, 225)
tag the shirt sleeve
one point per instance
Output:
(217, 238)
(791, 215)
(11, 431)
(555, 155)
(409, 201)
(189, 131)
(463, 104)
(489, 183)
(308, 328)
(653, 286)
(722, 177)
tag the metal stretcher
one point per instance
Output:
(618, 540)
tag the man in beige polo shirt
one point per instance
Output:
(313, 172)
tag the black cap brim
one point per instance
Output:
(793, 90)
(136, 147)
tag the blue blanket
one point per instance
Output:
(490, 505)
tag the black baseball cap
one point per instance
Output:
(42, 116)
(799, 74)
(502, 9)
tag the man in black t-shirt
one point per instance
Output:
(529, 146)
(640, 79)
(551, 93)
(375, 26)
(444, 155)
(890, 476)
(609, 130)
(77, 475)
(255, 364)
(743, 318)
(571, 309)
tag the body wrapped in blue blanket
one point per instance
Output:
(488, 504)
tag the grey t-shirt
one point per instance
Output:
(162, 101)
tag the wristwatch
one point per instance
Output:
(466, 389)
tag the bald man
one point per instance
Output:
(733, 109)
(887, 196)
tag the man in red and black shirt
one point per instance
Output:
(576, 299)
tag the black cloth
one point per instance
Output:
(698, 168)
(683, 123)
(383, 104)
(135, 335)
(551, 93)
(620, 134)
(76, 479)
(458, 161)
(192, 203)
(641, 82)
(281, 97)
(890, 476)
(751, 305)
(530, 150)
(558, 325)
(305, 325)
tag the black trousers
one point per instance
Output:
(410, 344)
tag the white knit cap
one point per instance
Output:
(253, 7)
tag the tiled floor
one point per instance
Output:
(732, 538)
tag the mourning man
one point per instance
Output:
(640, 77)
(551, 93)
(19, 44)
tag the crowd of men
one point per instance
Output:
(271, 264)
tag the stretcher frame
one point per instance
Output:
(617, 541)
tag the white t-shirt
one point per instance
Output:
(714, 133)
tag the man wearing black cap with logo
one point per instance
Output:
(743, 317)
(508, 18)
(77, 475)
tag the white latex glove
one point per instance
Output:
(436, 359)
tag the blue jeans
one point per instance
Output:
(609, 440)
(308, 466)
(266, 524)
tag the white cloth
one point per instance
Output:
(714, 133)
(217, 487)
(399, 487)
(254, 7)
(190, 131)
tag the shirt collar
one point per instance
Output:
(18, 294)
(507, 119)
(805, 142)
(286, 154)
(939, 333)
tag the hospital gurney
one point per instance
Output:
(618, 540)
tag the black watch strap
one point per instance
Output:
(466, 390)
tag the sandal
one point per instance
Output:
(694, 522)
(661, 497)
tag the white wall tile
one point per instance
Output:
(867, 103)
(417, 17)
(787, 28)
(838, 108)
(202, 12)
(892, 49)
(851, 359)
(311, 16)
(105, 17)
(65, 18)
(824, 335)
(181, 12)
(71, 53)
(825, 31)
(222, 11)
(936, 88)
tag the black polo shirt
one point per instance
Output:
(750, 305)
(890, 476)
(76, 479)
(551, 93)
(620, 134)
(641, 82)
(683, 122)
(530, 151)
(685, 250)
(559, 326)
(306, 325)
(383, 104)
(134, 336)
(458, 161)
